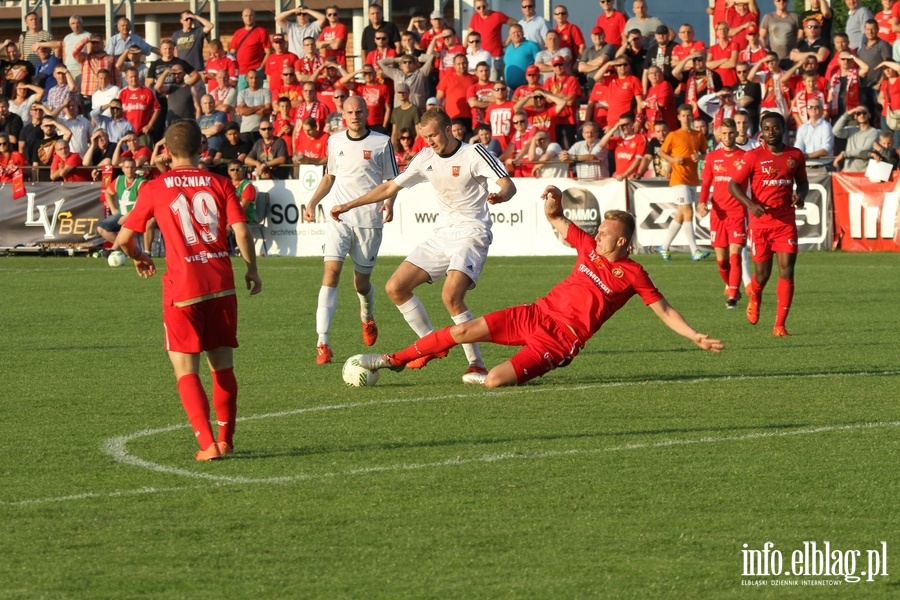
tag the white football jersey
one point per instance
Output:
(359, 166)
(459, 181)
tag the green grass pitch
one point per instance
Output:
(639, 471)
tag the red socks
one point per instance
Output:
(224, 395)
(434, 342)
(734, 274)
(196, 406)
(723, 270)
(784, 292)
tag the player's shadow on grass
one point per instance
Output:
(491, 441)
(698, 375)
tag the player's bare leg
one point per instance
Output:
(399, 289)
(325, 309)
(362, 282)
(784, 291)
(454, 298)
(195, 402)
(502, 375)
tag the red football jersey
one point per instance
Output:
(626, 150)
(499, 117)
(719, 168)
(772, 179)
(193, 209)
(596, 288)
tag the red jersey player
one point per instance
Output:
(728, 219)
(555, 328)
(772, 169)
(193, 209)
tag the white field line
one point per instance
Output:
(116, 447)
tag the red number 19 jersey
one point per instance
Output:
(772, 179)
(192, 208)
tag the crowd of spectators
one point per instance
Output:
(540, 94)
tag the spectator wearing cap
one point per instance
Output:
(250, 45)
(332, 42)
(277, 61)
(518, 55)
(452, 88)
(411, 74)
(570, 34)
(115, 125)
(723, 55)
(552, 55)
(376, 96)
(378, 26)
(488, 23)
(125, 39)
(634, 52)
(405, 115)
(644, 23)
(754, 51)
(92, 56)
(660, 55)
(190, 38)
(308, 24)
(436, 20)
(534, 26)
(57, 94)
(612, 22)
(533, 82)
(565, 86)
(594, 57)
(744, 15)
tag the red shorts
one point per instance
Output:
(547, 344)
(767, 240)
(203, 326)
(727, 229)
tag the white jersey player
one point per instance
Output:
(457, 249)
(359, 160)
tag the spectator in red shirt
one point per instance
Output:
(376, 96)
(453, 86)
(250, 46)
(10, 160)
(139, 104)
(480, 94)
(489, 23)
(310, 144)
(276, 61)
(218, 60)
(566, 86)
(612, 22)
(333, 39)
(66, 165)
(570, 34)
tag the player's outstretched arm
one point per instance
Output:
(386, 190)
(553, 210)
(674, 321)
(126, 239)
(507, 191)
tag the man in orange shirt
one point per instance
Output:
(683, 149)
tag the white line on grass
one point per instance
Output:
(116, 447)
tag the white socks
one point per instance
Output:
(367, 305)
(473, 351)
(325, 312)
(415, 314)
(674, 226)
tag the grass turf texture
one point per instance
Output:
(638, 471)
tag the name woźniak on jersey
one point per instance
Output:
(187, 181)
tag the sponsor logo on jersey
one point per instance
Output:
(456, 169)
(341, 153)
(428, 169)
(367, 154)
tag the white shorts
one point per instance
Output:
(683, 194)
(360, 243)
(461, 249)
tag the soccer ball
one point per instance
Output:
(356, 375)
(116, 258)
